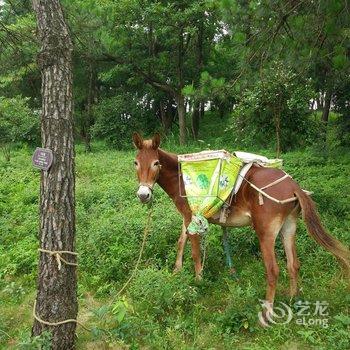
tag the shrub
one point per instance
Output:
(17, 122)
(160, 293)
(278, 103)
(117, 117)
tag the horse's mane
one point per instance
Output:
(169, 158)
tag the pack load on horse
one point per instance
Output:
(211, 179)
(268, 199)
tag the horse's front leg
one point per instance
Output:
(196, 255)
(180, 249)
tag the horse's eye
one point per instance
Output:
(136, 163)
(156, 163)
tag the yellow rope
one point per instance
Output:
(56, 323)
(283, 201)
(276, 182)
(58, 256)
(145, 234)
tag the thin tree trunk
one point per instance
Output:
(277, 121)
(327, 106)
(318, 103)
(195, 120)
(166, 117)
(180, 101)
(57, 289)
(196, 114)
(278, 137)
(90, 101)
(202, 110)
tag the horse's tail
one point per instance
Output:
(316, 230)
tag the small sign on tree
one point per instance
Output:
(42, 158)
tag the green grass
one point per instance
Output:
(161, 310)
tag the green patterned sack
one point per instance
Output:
(209, 178)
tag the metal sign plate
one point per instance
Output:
(42, 158)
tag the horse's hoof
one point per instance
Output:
(263, 323)
(199, 278)
(263, 319)
(177, 269)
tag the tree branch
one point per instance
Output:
(150, 79)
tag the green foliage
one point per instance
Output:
(213, 52)
(342, 106)
(279, 97)
(117, 118)
(18, 122)
(159, 293)
(42, 342)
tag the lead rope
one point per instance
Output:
(145, 234)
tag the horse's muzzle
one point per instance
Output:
(145, 194)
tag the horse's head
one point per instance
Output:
(147, 165)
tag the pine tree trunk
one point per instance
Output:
(57, 289)
(327, 106)
(196, 114)
(277, 121)
(195, 120)
(180, 99)
(90, 101)
(181, 110)
(201, 110)
(165, 117)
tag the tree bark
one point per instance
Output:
(277, 118)
(57, 289)
(195, 119)
(196, 114)
(201, 110)
(91, 96)
(327, 106)
(180, 101)
(166, 116)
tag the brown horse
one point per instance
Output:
(154, 165)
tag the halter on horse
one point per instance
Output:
(154, 165)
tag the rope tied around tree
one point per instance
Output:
(59, 259)
(58, 256)
(56, 323)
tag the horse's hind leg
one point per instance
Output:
(267, 236)
(288, 236)
(180, 249)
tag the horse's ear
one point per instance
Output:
(156, 141)
(137, 139)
